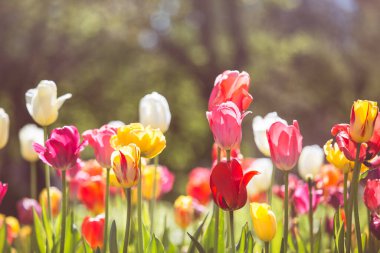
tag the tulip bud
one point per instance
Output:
(310, 161)
(55, 200)
(184, 211)
(154, 111)
(4, 128)
(260, 126)
(28, 135)
(14, 225)
(25, 209)
(264, 221)
(363, 118)
(262, 181)
(198, 185)
(3, 190)
(93, 231)
(374, 225)
(125, 164)
(42, 102)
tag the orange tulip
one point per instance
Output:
(55, 200)
(92, 231)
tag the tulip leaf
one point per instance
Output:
(196, 236)
(250, 242)
(364, 242)
(300, 244)
(3, 237)
(113, 238)
(196, 244)
(318, 240)
(39, 233)
(338, 233)
(208, 237)
(165, 235)
(48, 228)
(155, 245)
(241, 245)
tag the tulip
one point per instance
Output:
(362, 122)
(154, 111)
(184, 211)
(310, 161)
(25, 208)
(150, 141)
(198, 185)
(346, 144)
(4, 128)
(374, 225)
(125, 164)
(116, 123)
(372, 195)
(166, 179)
(260, 126)
(28, 135)
(231, 86)
(336, 157)
(225, 123)
(3, 190)
(228, 184)
(261, 182)
(92, 193)
(14, 226)
(301, 201)
(42, 102)
(264, 221)
(92, 231)
(55, 200)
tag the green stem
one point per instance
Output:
(286, 214)
(33, 180)
(153, 199)
(270, 188)
(233, 249)
(370, 238)
(105, 237)
(266, 246)
(47, 179)
(357, 224)
(216, 232)
(139, 214)
(228, 152)
(353, 192)
(345, 191)
(128, 222)
(310, 184)
(63, 218)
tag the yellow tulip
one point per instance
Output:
(184, 211)
(13, 223)
(264, 221)
(148, 181)
(125, 165)
(55, 200)
(150, 141)
(363, 118)
(337, 157)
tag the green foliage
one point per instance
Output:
(246, 242)
(113, 238)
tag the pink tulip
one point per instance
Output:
(231, 86)
(62, 149)
(301, 199)
(167, 180)
(225, 123)
(99, 140)
(372, 195)
(3, 190)
(285, 143)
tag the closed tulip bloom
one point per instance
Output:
(14, 226)
(25, 209)
(260, 126)
(99, 140)
(42, 102)
(264, 221)
(198, 185)
(184, 211)
(310, 161)
(4, 128)
(228, 185)
(62, 149)
(231, 86)
(125, 164)
(28, 135)
(372, 195)
(285, 144)
(154, 111)
(93, 231)
(147, 174)
(336, 157)
(374, 225)
(362, 122)
(262, 181)
(3, 190)
(225, 123)
(55, 200)
(91, 193)
(300, 199)
(150, 141)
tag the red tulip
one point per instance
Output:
(225, 123)
(231, 86)
(285, 143)
(3, 190)
(99, 140)
(372, 195)
(198, 186)
(93, 230)
(62, 149)
(228, 184)
(92, 193)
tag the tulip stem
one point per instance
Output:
(216, 230)
(33, 180)
(228, 154)
(47, 177)
(233, 249)
(128, 222)
(105, 242)
(270, 188)
(153, 199)
(286, 215)
(63, 218)
(345, 183)
(266, 246)
(357, 223)
(139, 214)
(353, 192)
(310, 184)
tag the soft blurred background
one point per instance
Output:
(308, 60)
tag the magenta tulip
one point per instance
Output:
(301, 199)
(25, 209)
(3, 190)
(372, 195)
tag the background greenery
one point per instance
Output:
(308, 60)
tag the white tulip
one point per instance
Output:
(154, 111)
(42, 102)
(28, 135)
(260, 126)
(4, 128)
(116, 123)
(262, 181)
(310, 161)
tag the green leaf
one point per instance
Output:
(196, 244)
(155, 246)
(113, 238)
(196, 236)
(241, 247)
(48, 228)
(318, 240)
(250, 242)
(364, 242)
(3, 238)
(300, 244)
(39, 233)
